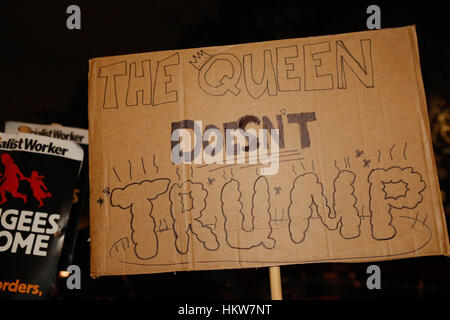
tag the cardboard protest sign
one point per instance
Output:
(37, 178)
(80, 195)
(271, 153)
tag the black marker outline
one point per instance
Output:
(189, 224)
(390, 151)
(316, 66)
(136, 76)
(263, 77)
(124, 241)
(273, 262)
(340, 64)
(154, 95)
(129, 163)
(117, 176)
(154, 163)
(211, 63)
(352, 185)
(130, 207)
(391, 206)
(252, 215)
(404, 151)
(114, 80)
(287, 70)
(143, 166)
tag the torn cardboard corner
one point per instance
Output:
(271, 153)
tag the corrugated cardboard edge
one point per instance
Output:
(427, 141)
(97, 259)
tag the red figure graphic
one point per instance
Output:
(10, 180)
(38, 187)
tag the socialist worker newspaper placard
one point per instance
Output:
(37, 178)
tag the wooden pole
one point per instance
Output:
(275, 283)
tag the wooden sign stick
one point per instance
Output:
(275, 283)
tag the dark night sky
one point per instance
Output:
(45, 65)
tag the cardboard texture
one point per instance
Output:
(352, 177)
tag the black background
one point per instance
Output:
(44, 79)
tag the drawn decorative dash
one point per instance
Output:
(390, 152)
(154, 163)
(260, 164)
(129, 163)
(335, 165)
(301, 162)
(117, 176)
(143, 166)
(425, 219)
(415, 220)
(404, 151)
(347, 162)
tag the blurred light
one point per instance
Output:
(64, 274)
